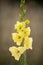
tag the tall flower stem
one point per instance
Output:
(23, 60)
(23, 11)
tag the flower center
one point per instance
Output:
(19, 37)
(20, 27)
(18, 51)
(25, 32)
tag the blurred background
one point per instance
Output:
(9, 14)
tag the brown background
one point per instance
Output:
(9, 11)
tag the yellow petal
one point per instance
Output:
(17, 38)
(19, 26)
(22, 49)
(14, 36)
(17, 52)
(28, 43)
(27, 32)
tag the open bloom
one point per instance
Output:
(19, 26)
(26, 32)
(28, 43)
(17, 52)
(17, 38)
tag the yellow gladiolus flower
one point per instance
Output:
(17, 52)
(26, 22)
(28, 43)
(19, 26)
(26, 32)
(17, 38)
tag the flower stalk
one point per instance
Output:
(21, 38)
(23, 11)
(23, 60)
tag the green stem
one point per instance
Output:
(23, 60)
(25, 57)
(23, 11)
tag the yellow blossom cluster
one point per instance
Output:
(22, 39)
